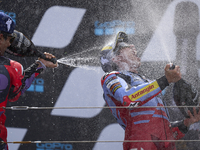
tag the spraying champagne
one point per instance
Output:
(186, 29)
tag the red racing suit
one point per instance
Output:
(13, 83)
(122, 89)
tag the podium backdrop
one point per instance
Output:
(163, 31)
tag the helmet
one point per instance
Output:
(109, 51)
(6, 23)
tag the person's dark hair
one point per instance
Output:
(6, 35)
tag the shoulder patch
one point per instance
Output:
(113, 79)
(106, 75)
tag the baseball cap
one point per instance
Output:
(109, 51)
(6, 23)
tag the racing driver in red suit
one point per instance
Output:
(14, 81)
(124, 87)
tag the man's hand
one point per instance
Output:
(192, 119)
(48, 64)
(172, 75)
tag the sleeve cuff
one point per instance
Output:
(183, 128)
(162, 82)
(42, 65)
(180, 125)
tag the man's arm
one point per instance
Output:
(35, 69)
(29, 75)
(181, 127)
